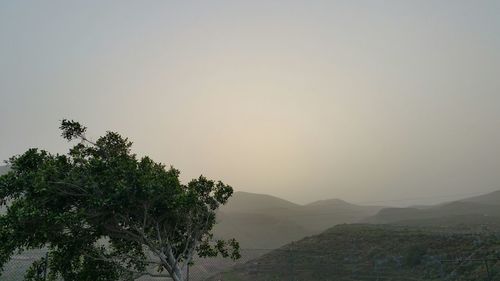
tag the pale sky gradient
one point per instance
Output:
(306, 100)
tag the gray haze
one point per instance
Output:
(361, 100)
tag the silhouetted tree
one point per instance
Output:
(105, 214)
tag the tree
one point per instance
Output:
(104, 214)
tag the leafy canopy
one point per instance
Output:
(105, 214)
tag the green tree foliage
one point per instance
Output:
(105, 214)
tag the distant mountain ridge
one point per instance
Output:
(246, 202)
(329, 202)
(492, 198)
(250, 214)
(487, 205)
(263, 222)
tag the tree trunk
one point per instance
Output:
(179, 276)
(176, 274)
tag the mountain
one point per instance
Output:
(492, 198)
(374, 252)
(321, 215)
(487, 205)
(245, 202)
(259, 221)
(262, 223)
(463, 223)
(259, 231)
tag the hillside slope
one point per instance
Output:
(321, 215)
(373, 252)
(262, 223)
(258, 230)
(245, 202)
(487, 205)
(492, 198)
(251, 213)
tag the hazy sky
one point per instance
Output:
(306, 100)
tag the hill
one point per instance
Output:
(321, 215)
(374, 252)
(492, 198)
(487, 205)
(245, 202)
(262, 223)
(259, 230)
